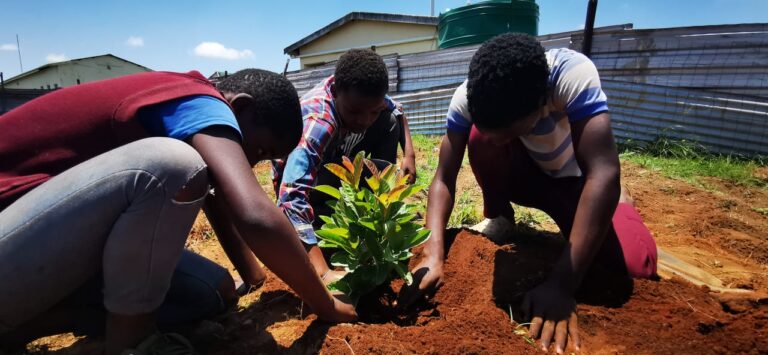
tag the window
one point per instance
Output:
(78, 81)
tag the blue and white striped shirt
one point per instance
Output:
(575, 94)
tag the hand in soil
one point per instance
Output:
(553, 316)
(427, 278)
(409, 168)
(343, 311)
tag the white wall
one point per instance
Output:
(67, 74)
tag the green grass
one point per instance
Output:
(427, 157)
(465, 213)
(688, 161)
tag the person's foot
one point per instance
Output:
(626, 196)
(243, 288)
(498, 229)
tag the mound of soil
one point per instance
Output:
(471, 313)
(484, 283)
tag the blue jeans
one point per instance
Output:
(125, 213)
(192, 296)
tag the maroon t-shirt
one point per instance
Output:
(59, 130)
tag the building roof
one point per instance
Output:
(352, 16)
(51, 65)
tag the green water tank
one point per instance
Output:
(473, 24)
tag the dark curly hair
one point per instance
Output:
(364, 71)
(507, 80)
(276, 101)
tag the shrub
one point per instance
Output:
(371, 226)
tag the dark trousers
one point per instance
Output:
(508, 174)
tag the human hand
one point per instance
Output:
(552, 311)
(427, 278)
(408, 167)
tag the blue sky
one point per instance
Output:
(177, 36)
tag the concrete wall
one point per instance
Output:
(387, 37)
(68, 73)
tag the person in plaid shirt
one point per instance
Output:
(346, 113)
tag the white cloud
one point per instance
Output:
(7, 47)
(134, 41)
(217, 50)
(53, 58)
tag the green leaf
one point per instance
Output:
(329, 190)
(342, 259)
(401, 271)
(327, 220)
(369, 239)
(358, 168)
(417, 239)
(337, 236)
(410, 191)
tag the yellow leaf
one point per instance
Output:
(387, 176)
(339, 171)
(394, 194)
(403, 179)
(373, 182)
(348, 164)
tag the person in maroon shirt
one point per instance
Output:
(96, 179)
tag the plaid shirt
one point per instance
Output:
(294, 179)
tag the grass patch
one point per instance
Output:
(427, 157)
(688, 161)
(464, 212)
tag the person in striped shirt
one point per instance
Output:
(346, 113)
(537, 130)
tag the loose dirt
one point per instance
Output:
(717, 227)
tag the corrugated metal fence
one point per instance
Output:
(706, 83)
(304, 80)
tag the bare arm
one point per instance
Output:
(407, 143)
(263, 227)
(442, 191)
(428, 274)
(409, 154)
(599, 161)
(233, 244)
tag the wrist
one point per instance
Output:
(433, 255)
(566, 281)
(326, 307)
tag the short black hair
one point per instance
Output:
(276, 101)
(362, 70)
(507, 81)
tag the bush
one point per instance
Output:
(372, 227)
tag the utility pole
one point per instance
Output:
(589, 25)
(432, 8)
(18, 48)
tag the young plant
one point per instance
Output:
(372, 227)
